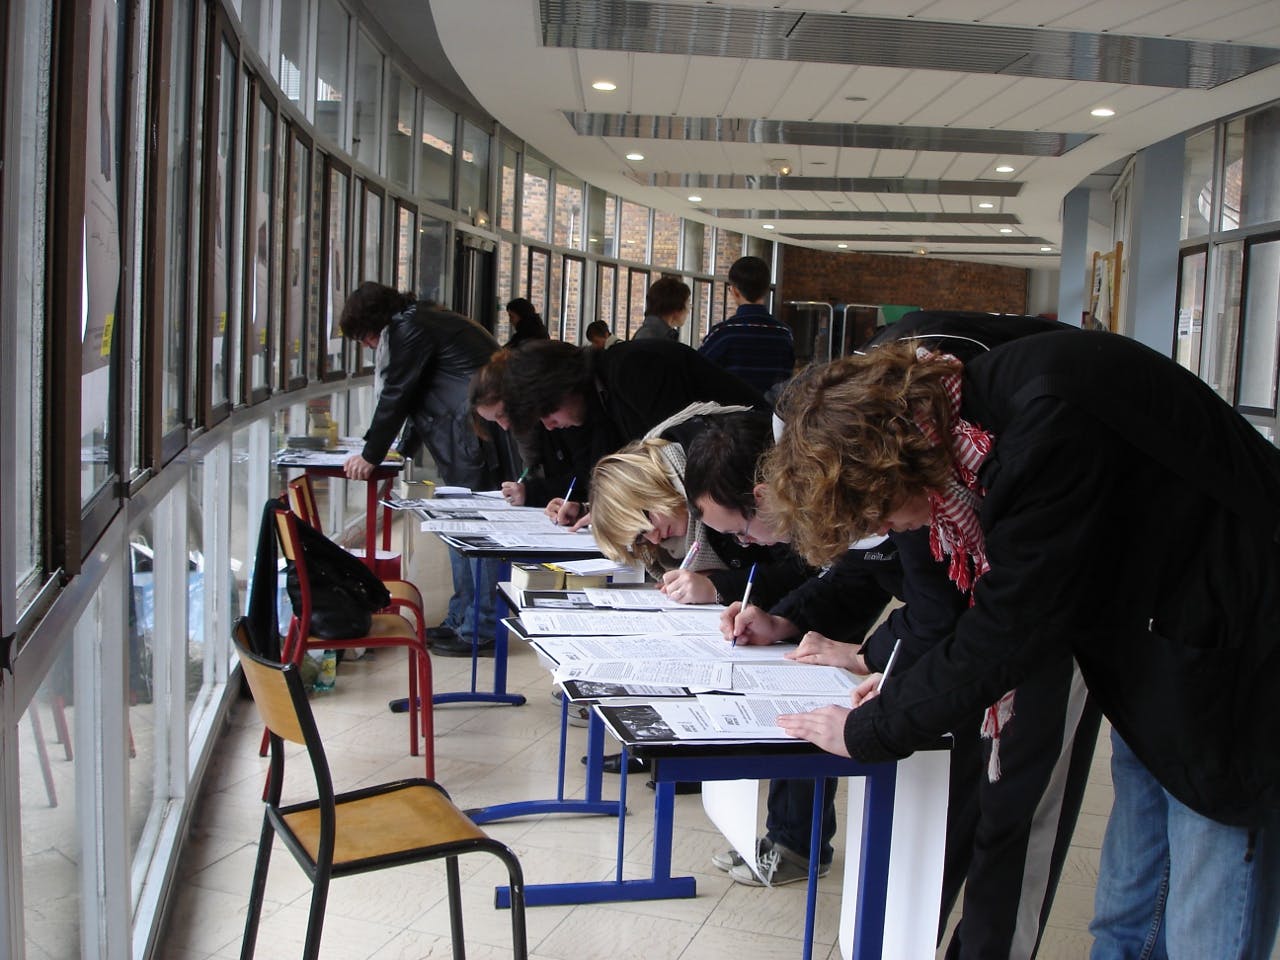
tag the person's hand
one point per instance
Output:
(823, 727)
(513, 493)
(563, 512)
(583, 521)
(815, 648)
(357, 467)
(868, 689)
(685, 586)
(754, 626)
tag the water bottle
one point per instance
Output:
(328, 672)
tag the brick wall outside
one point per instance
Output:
(933, 284)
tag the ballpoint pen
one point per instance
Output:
(523, 473)
(889, 666)
(567, 494)
(746, 596)
(689, 557)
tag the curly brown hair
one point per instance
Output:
(851, 452)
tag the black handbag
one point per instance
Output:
(344, 592)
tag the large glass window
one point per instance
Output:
(404, 254)
(334, 266)
(728, 249)
(178, 190)
(297, 258)
(331, 71)
(571, 300)
(473, 171)
(399, 132)
(435, 153)
(568, 229)
(143, 566)
(1191, 276)
(606, 293)
(633, 231)
(293, 47)
(694, 235)
(221, 251)
(1220, 363)
(535, 200)
(433, 258)
(507, 188)
(1250, 188)
(371, 235)
(52, 842)
(100, 334)
(365, 141)
(537, 278)
(260, 190)
(1197, 185)
(666, 240)
(602, 222)
(1258, 347)
(637, 287)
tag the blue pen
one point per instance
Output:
(746, 594)
(567, 494)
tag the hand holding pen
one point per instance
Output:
(513, 490)
(870, 687)
(567, 511)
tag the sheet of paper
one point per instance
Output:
(484, 527)
(594, 565)
(787, 677)
(591, 623)
(653, 647)
(704, 674)
(636, 599)
(663, 721)
(754, 716)
(553, 538)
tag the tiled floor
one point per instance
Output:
(487, 754)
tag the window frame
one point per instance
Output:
(297, 135)
(1242, 333)
(259, 94)
(331, 165)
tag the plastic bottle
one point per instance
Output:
(328, 672)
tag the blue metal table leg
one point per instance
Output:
(815, 852)
(877, 830)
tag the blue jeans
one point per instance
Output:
(1174, 884)
(790, 819)
(461, 615)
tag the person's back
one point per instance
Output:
(751, 344)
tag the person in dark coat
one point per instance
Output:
(614, 395)
(432, 354)
(525, 322)
(752, 343)
(1096, 500)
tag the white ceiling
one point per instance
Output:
(495, 47)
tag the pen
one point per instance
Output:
(567, 494)
(889, 666)
(689, 557)
(523, 473)
(746, 595)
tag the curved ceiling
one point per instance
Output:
(890, 117)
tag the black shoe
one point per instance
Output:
(682, 786)
(612, 763)
(456, 646)
(441, 632)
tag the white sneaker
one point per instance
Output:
(778, 867)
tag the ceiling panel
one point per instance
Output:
(910, 94)
(709, 86)
(1184, 18)
(1259, 24)
(811, 90)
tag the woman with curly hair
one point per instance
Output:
(1097, 501)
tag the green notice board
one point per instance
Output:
(893, 312)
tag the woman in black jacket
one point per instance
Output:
(1097, 500)
(526, 325)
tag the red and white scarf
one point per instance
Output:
(954, 529)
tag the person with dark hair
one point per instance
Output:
(432, 353)
(751, 343)
(1096, 501)
(525, 323)
(666, 308)
(615, 395)
(599, 335)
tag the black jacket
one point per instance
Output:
(1131, 521)
(433, 354)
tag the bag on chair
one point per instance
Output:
(344, 592)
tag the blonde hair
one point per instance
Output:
(623, 486)
(851, 452)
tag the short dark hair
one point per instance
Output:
(370, 309)
(540, 376)
(597, 328)
(523, 309)
(665, 296)
(721, 460)
(751, 276)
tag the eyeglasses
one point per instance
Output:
(742, 535)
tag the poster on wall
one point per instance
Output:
(101, 255)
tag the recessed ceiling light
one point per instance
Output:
(635, 156)
(766, 226)
(605, 85)
(856, 99)
(1006, 229)
(921, 251)
(1046, 249)
(843, 246)
(1004, 168)
(1102, 112)
(984, 205)
(694, 198)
